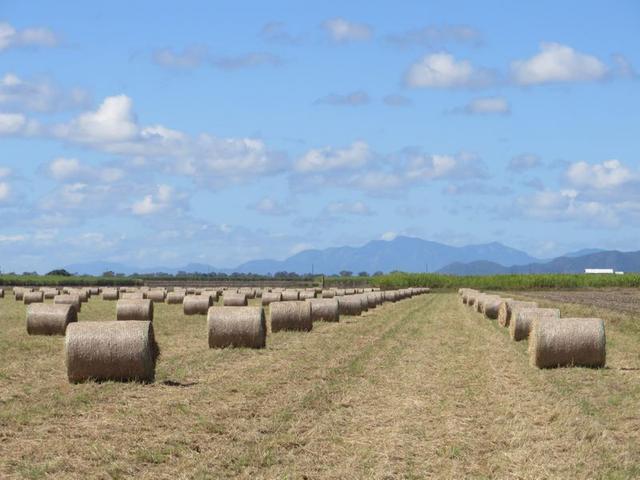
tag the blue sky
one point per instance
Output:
(220, 132)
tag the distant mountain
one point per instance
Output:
(619, 261)
(583, 252)
(407, 254)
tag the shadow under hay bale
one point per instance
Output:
(236, 327)
(134, 310)
(111, 350)
(567, 342)
(49, 319)
(291, 315)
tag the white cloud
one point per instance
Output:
(558, 63)
(488, 105)
(607, 175)
(29, 37)
(276, 32)
(270, 206)
(5, 191)
(524, 161)
(17, 124)
(64, 169)
(38, 95)
(442, 70)
(435, 35)
(388, 236)
(247, 60)
(353, 99)
(163, 199)
(190, 57)
(321, 160)
(341, 30)
(348, 208)
(427, 167)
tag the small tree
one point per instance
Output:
(346, 273)
(60, 271)
(363, 274)
(378, 273)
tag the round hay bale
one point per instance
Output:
(291, 315)
(270, 297)
(156, 295)
(339, 292)
(349, 305)
(19, 292)
(49, 319)
(325, 309)
(523, 318)
(33, 297)
(290, 295)
(132, 296)
(111, 351)
(231, 299)
(68, 299)
(567, 342)
(506, 309)
(197, 304)
(110, 294)
(175, 297)
(49, 293)
(372, 299)
(94, 290)
(237, 327)
(328, 293)
(1, 292)
(134, 309)
(491, 307)
(307, 295)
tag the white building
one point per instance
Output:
(598, 270)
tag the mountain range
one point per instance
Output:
(407, 254)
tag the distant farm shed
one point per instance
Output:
(599, 270)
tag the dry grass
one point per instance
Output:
(424, 388)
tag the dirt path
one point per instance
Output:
(424, 388)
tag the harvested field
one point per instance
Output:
(619, 299)
(421, 388)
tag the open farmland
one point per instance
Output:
(421, 388)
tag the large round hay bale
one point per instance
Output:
(289, 295)
(270, 297)
(111, 351)
(49, 319)
(567, 342)
(19, 292)
(156, 295)
(349, 305)
(231, 299)
(491, 307)
(110, 294)
(132, 296)
(506, 309)
(325, 309)
(95, 290)
(33, 297)
(197, 304)
(523, 318)
(328, 293)
(68, 299)
(175, 297)
(1, 292)
(390, 296)
(49, 293)
(134, 309)
(291, 315)
(307, 295)
(237, 327)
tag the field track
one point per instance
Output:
(424, 388)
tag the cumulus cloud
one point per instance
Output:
(341, 30)
(191, 57)
(487, 106)
(321, 160)
(523, 162)
(38, 95)
(436, 35)
(164, 198)
(353, 99)
(442, 70)
(557, 63)
(272, 207)
(11, 37)
(607, 175)
(17, 124)
(66, 169)
(394, 100)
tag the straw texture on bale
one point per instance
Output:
(567, 342)
(110, 294)
(231, 299)
(134, 309)
(328, 294)
(506, 310)
(523, 318)
(69, 299)
(49, 293)
(492, 307)
(325, 309)
(270, 297)
(156, 295)
(349, 305)
(111, 351)
(33, 297)
(307, 295)
(289, 295)
(49, 319)
(197, 304)
(1, 292)
(132, 296)
(19, 293)
(291, 315)
(237, 327)
(175, 297)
